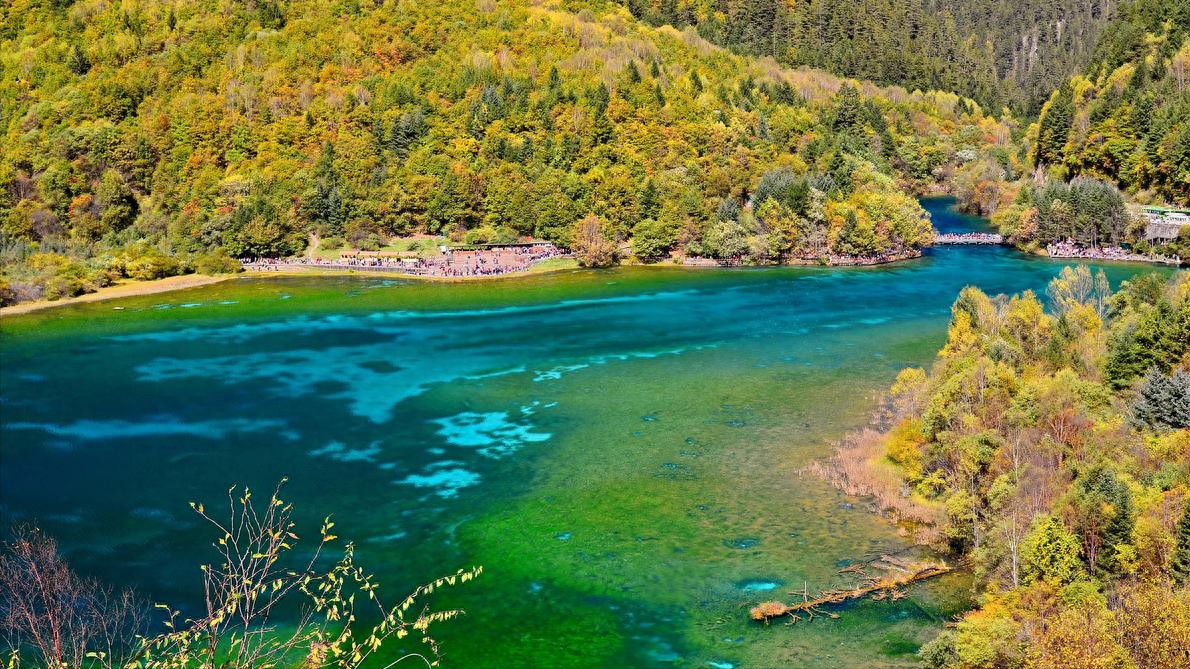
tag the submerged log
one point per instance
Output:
(877, 588)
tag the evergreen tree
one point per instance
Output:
(1054, 127)
(633, 73)
(1159, 338)
(602, 131)
(729, 210)
(328, 207)
(849, 112)
(1163, 402)
(1180, 566)
(1104, 517)
(271, 15)
(80, 64)
(650, 200)
(406, 130)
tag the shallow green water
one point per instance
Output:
(619, 449)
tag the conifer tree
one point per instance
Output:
(1180, 567)
(1054, 126)
(633, 72)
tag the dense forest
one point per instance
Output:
(996, 51)
(1124, 123)
(1053, 450)
(989, 50)
(1107, 81)
(1128, 118)
(149, 138)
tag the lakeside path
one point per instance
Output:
(125, 288)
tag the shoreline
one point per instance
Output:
(1146, 260)
(125, 288)
(129, 288)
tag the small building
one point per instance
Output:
(1162, 231)
(1164, 224)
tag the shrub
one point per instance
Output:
(484, 235)
(217, 262)
(940, 652)
(151, 265)
(7, 294)
(1050, 553)
(904, 447)
(371, 242)
(591, 244)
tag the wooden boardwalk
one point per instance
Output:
(970, 238)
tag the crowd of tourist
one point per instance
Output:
(491, 261)
(833, 259)
(1072, 249)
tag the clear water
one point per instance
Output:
(619, 449)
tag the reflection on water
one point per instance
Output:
(620, 450)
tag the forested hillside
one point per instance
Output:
(153, 137)
(1122, 124)
(999, 52)
(1128, 118)
(1055, 449)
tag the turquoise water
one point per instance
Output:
(619, 449)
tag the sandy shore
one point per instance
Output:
(122, 289)
(129, 288)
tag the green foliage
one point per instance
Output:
(1163, 402)
(1061, 484)
(940, 652)
(1157, 338)
(217, 262)
(1180, 566)
(150, 265)
(653, 239)
(252, 125)
(1086, 210)
(1050, 552)
(1134, 103)
(988, 50)
(1057, 116)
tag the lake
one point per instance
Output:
(619, 449)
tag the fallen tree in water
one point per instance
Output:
(900, 574)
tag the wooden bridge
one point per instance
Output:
(969, 238)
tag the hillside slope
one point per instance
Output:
(995, 51)
(144, 138)
(1127, 119)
